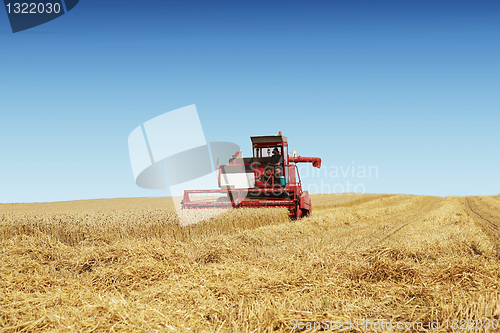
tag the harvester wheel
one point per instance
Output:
(298, 213)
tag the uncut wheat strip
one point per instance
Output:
(97, 226)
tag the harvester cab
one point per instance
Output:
(270, 156)
(270, 178)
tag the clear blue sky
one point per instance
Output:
(410, 87)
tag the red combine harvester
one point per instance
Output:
(268, 179)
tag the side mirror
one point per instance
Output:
(295, 154)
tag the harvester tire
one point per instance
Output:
(298, 213)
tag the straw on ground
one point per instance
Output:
(126, 265)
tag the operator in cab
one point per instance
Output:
(277, 162)
(276, 159)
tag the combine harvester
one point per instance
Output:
(268, 179)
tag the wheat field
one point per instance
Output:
(125, 265)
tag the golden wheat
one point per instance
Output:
(101, 266)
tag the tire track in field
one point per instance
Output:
(486, 216)
(376, 221)
(426, 207)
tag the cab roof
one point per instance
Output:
(268, 139)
